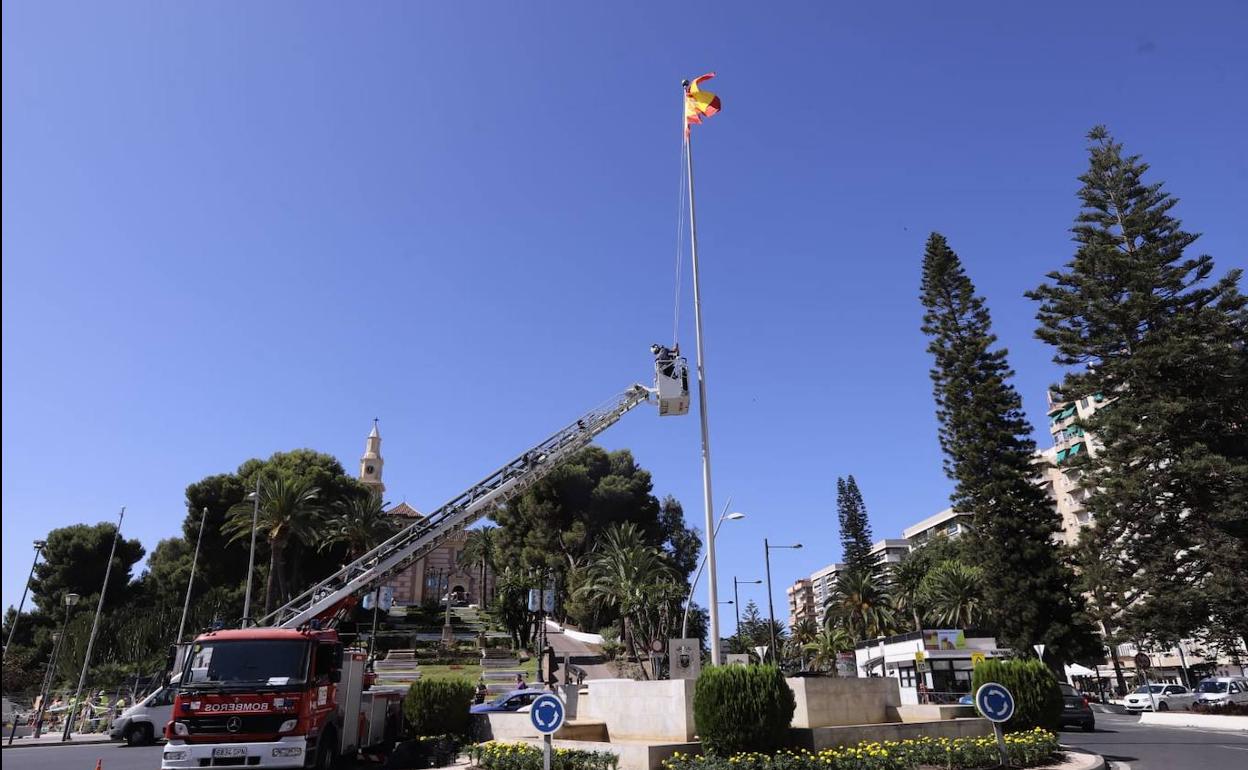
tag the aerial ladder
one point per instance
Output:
(332, 599)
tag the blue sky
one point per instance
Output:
(236, 229)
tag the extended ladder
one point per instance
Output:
(327, 599)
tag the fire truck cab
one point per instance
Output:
(275, 697)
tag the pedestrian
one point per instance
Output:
(520, 683)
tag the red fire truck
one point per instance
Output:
(286, 693)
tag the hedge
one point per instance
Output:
(1037, 697)
(742, 708)
(522, 756)
(1029, 749)
(439, 707)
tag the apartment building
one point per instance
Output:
(947, 523)
(801, 602)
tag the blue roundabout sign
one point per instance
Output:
(994, 702)
(547, 714)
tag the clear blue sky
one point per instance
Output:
(236, 229)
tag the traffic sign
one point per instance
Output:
(977, 658)
(994, 702)
(1142, 661)
(546, 714)
(920, 656)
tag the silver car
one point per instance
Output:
(1222, 689)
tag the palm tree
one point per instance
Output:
(631, 576)
(361, 524)
(905, 586)
(955, 593)
(826, 645)
(802, 633)
(860, 605)
(479, 548)
(290, 513)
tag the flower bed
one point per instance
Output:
(1027, 749)
(522, 756)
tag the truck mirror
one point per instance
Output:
(170, 657)
(335, 676)
(337, 656)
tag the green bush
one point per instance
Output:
(438, 707)
(742, 708)
(1037, 698)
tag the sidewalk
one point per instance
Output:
(54, 739)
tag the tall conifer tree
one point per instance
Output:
(855, 529)
(989, 454)
(1146, 327)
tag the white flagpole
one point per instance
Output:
(712, 583)
(95, 627)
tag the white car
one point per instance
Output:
(1168, 697)
(1222, 689)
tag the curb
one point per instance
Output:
(1081, 759)
(29, 744)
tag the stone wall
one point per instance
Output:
(647, 711)
(832, 701)
(820, 738)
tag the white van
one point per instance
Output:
(144, 722)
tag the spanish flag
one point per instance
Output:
(699, 104)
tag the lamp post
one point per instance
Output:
(203, 517)
(771, 605)
(725, 516)
(70, 600)
(251, 559)
(736, 598)
(39, 546)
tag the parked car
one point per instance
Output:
(1075, 709)
(1222, 689)
(516, 700)
(142, 723)
(1168, 697)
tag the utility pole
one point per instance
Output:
(95, 626)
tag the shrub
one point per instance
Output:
(522, 756)
(438, 707)
(1028, 749)
(739, 708)
(1225, 709)
(1037, 698)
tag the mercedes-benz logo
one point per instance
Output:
(234, 724)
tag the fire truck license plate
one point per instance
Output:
(230, 751)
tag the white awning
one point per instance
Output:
(1075, 669)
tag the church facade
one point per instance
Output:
(443, 571)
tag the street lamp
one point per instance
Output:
(771, 608)
(69, 601)
(737, 598)
(39, 546)
(251, 559)
(725, 516)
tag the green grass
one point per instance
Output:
(472, 672)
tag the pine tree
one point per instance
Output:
(1146, 327)
(855, 529)
(989, 455)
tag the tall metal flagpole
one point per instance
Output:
(712, 586)
(251, 560)
(203, 517)
(95, 627)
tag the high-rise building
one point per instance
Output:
(1060, 482)
(801, 602)
(947, 523)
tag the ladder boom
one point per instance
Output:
(327, 599)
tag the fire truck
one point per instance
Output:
(287, 692)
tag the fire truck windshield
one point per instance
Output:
(231, 662)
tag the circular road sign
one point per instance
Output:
(994, 702)
(1142, 661)
(546, 714)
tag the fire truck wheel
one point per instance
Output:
(139, 734)
(327, 751)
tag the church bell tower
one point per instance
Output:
(371, 462)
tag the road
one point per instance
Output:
(115, 756)
(582, 654)
(1129, 745)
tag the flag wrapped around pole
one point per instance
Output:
(699, 104)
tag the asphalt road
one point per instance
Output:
(115, 756)
(1129, 745)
